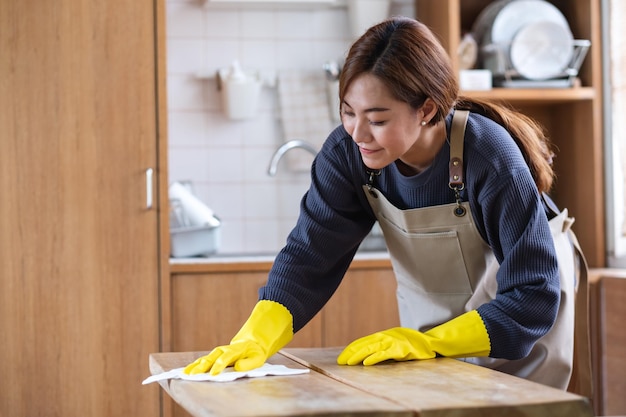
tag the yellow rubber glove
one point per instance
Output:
(462, 336)
(268, 329)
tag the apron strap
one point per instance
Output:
(457, 136)
(582, 378)
(581, 381)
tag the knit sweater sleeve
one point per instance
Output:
(509, 211)
(334, 218)
(527, 297)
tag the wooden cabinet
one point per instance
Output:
(79, 248)
(364, 303)
(608, 337)
(572, 116)
(208, 308)
(210, 302)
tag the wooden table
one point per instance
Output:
(437, 388)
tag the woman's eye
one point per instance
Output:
(373, 123)
(347, 113)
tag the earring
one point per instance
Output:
(423, 123)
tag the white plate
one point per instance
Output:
(541, 50)
(482, 24)
(519, 13)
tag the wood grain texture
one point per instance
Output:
(444, 386)
(433, 388)
(209, 309)
(609, 342)
(364, 303)
(309, 394)
(78, 249)
(211, 301)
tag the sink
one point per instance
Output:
(373, 243)
(372, 246)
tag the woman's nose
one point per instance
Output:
(360, 132)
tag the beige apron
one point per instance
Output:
(444, 268)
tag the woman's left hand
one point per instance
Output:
(398, 343)
(465, 335)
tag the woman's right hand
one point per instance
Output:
(267, 330)
(244, 355)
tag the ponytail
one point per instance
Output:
(527, 133)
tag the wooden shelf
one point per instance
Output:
(535, 96)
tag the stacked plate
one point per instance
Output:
(530, 38)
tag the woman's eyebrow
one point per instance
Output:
(376, 109)
(370, 110)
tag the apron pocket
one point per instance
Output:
(432, 261)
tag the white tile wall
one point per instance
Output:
(226, 161)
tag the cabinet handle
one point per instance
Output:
(149, 187)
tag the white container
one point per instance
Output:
(365, 13)
(475, 80)
(240, 92)
(194, 241)
(194, 228)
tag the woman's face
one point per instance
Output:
(384, 128)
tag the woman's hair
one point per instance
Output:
(407, 57)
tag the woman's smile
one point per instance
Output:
(367, 151)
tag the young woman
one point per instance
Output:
(475, 261)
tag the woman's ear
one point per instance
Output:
(428, 110)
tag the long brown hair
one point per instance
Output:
(407, 57)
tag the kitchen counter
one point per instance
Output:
(261, 262)
(434, 387)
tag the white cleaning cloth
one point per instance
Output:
(227, 375)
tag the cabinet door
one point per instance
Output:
(209, 308)
(78, 248)
(609, 342)
(364, 303)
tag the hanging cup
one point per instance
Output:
(240, 92)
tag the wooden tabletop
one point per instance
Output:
(437, 387)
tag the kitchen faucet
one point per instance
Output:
(283, 149)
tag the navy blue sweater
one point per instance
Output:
(335, 217)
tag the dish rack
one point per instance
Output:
(496, 57)
(188, 239)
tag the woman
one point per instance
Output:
(475, 261)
